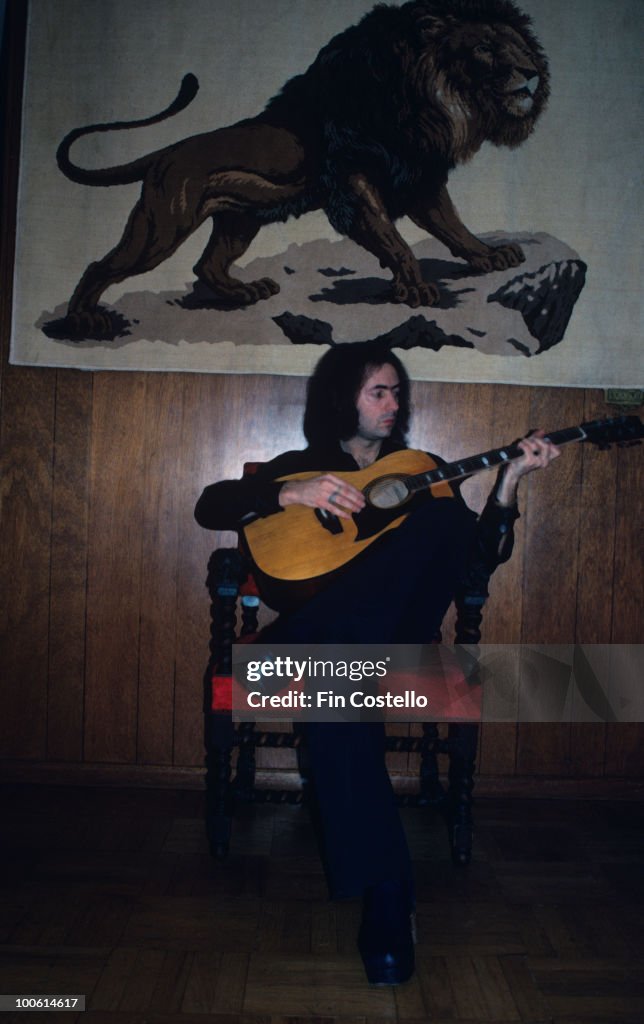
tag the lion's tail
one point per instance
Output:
(126, 173)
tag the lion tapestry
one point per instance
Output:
(227, 188)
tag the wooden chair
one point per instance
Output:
(235, 604)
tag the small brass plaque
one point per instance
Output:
(625, 398)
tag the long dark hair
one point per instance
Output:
(331, 415)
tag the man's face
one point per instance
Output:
(377, 403)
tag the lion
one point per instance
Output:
(368, 134)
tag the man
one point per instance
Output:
(357, 411)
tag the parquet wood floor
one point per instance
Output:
(112, 894)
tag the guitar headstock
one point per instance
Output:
(619, 430)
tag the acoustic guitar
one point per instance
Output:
(302, 543)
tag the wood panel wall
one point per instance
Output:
(104, 612)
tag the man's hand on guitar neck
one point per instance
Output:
(538, 452)
(325, 491)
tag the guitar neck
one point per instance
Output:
(486, 460)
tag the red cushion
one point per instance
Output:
(222, 693)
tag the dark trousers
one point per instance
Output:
(397, 593)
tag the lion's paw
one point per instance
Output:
(508, 255)
(499, 258)
(265, 287)
(415, 295)
(234, 294)
(88, 325)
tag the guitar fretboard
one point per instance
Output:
(485, 460)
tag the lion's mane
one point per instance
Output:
(397, 93)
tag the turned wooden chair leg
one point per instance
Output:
(244, 784)
(431, 788)
(462, 744)
(219, 793)
(226, 571)
(463, 737)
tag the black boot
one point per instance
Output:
(386, 939)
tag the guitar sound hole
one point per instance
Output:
(388, 493)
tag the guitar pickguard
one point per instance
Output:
(372, 521)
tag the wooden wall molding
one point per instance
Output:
(155, 777)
